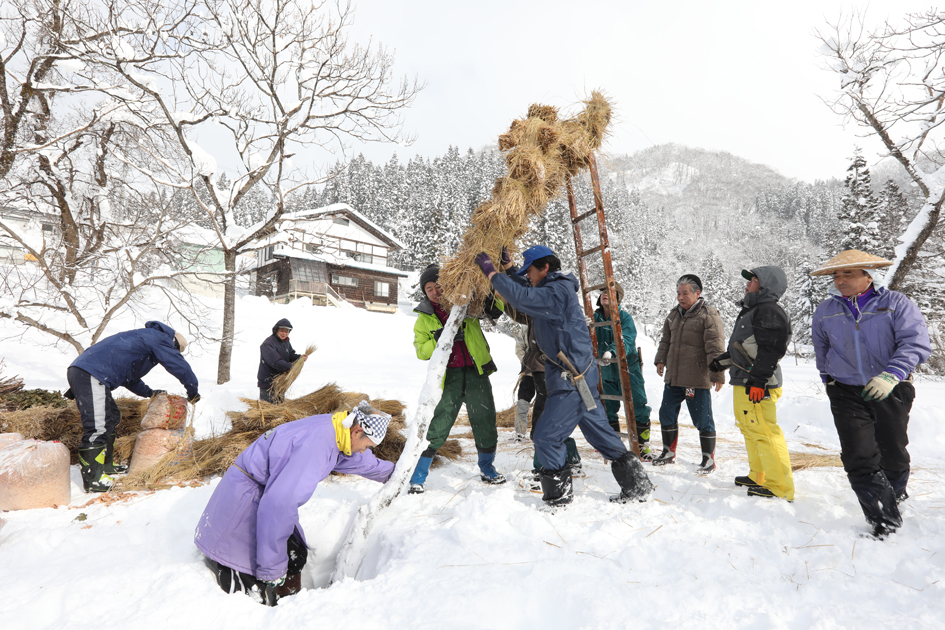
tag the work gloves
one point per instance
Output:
(485, 263)
(755, 393)
(880, 387)
(193, 400)
(155, 392)
(506, 259)
(720, 363)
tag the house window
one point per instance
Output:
(343, 281)
(340, 221)
(266, 254)
(381, 289)
(47, 227)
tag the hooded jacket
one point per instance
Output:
(558, 322)
(122, 360)
(889, 334)
(606, 343)
(761, 334)
(275, 356)
(427, 323)
(690, 341)
(253, 511)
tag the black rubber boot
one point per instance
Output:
(898, 481)
(668, 456)
(633, 481)
(556, 486)
(707, 440)
(111, 468)
(877, 500)
(92, 466)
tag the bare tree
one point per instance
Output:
(892, 82)
(266, 79)
(87, 236)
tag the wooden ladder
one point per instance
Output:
(603, 249)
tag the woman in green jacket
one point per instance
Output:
(466, 380)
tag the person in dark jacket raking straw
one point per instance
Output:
(466, 381)
(549, 297)
(868, 340)
(276, 356)
(250, 529)
(759, 340)
(121, 360)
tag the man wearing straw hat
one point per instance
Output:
(549, 297)
(276, 356)
(250, 530)
(868, 340)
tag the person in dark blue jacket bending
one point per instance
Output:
(276, 356)
(549, 296)
(120, 361)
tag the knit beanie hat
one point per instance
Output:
(430, 274)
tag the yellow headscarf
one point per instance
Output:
(342, 433)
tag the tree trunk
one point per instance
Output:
(229, 316)
(903, 265)
(354, 548)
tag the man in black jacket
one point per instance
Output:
(276, 356)
(758, 342)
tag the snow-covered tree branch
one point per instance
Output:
(892, 83)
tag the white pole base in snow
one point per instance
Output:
(354, 549)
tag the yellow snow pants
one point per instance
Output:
(767, 451)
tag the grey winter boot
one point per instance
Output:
(521, 420)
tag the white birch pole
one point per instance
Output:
(354, 549)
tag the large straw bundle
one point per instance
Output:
(212, 456)
(282, 383)
(540, 152)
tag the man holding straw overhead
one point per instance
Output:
(549, 297)
(276, 356)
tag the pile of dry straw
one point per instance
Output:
(541, 152)
(213, 455)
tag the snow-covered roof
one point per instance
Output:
(337, 209)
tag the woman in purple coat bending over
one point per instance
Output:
(250, 530)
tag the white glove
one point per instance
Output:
(589, 320)
(607, 355)
(880, 387)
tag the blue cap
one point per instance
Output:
(532, 254)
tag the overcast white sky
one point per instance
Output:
(737, 76)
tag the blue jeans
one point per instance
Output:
(700, 408)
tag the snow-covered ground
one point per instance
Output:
(700, 553)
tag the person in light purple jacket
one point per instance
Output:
(250, 530)
(868, 340)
